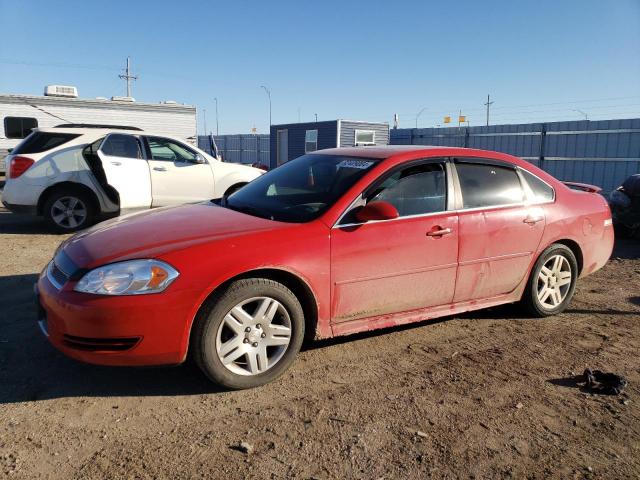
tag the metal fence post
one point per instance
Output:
(543, 139)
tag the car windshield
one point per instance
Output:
(300, 190)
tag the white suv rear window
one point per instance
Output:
(39, 142)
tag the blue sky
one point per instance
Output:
(540, 60)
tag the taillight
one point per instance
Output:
(19, 165)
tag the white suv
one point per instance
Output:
(72, 174)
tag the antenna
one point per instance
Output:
(128, 77)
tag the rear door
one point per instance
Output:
(499, 231)
(391, 266)
(126, 169)
(179, 174)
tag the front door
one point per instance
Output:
(178, 173)
(391, 266)
(499, 233)
(126, 170)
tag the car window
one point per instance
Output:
(170, 151)
(541, 190)
(415, 190)
(39, 142)
(302, 189)
(485, 185)
(125, 146)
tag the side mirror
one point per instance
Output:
(199, 159)
(379, 210)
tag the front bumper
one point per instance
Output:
(121, 331)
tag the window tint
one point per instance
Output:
(415, 190)
(19, 127)
(39, 142)
(168, 150)
(542, 191)
(117, 145)
(310, 141)
(488, 185)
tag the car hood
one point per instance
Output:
(152, 233)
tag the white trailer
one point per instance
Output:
(60, 105)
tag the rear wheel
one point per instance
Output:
(249, 334)
(68, 211)
(552, 282)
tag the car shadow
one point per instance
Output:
(31, 369)
(20, 224)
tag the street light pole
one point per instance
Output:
(269, 95)
(217, 126)
(418, 115)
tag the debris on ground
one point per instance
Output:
(605, 383)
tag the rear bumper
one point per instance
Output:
(119, 331)
(26, 209)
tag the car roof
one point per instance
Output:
(102, 131)
(386, 151)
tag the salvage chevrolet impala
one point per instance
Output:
(332, 243)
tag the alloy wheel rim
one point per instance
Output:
(69, 212)
(554, 282)
(253, 336)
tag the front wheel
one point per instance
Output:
(249, 334)
(552, 282)
(68, 212)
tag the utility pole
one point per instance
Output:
(128, 77)
(316, 117)
(269, 95)
(488, 104)
(217, 126)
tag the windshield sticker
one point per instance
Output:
(361, 164)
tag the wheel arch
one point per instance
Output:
(67, 186)
(293, 282)
(575, 249)
(233, 188)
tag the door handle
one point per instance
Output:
(532, 220)
(160, 169)
(117, 164)
(439, 232)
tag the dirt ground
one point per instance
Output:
(487, 395)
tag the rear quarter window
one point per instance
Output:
(39, 142)
(541, 190)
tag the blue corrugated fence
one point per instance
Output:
(602, 152)
(239, 148)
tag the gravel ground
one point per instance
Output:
(487, 395)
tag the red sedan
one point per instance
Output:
(332, 243)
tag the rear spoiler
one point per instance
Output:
(585, 187)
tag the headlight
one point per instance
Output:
(133, 277)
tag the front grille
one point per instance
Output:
(100, 344)
(56, 276)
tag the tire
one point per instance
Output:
(79, 213)
(547, 292)
(241, 351)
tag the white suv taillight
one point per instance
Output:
(19, 165)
